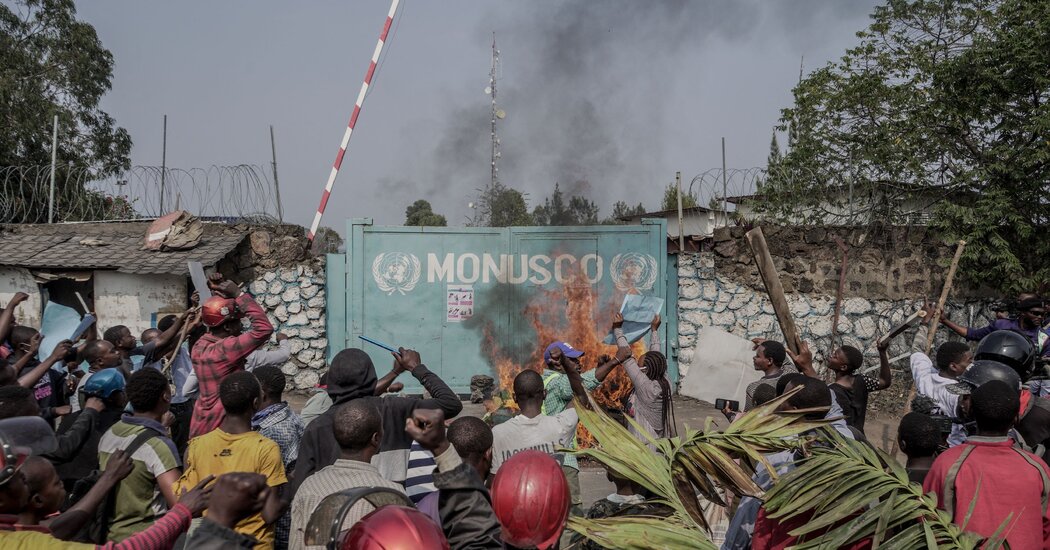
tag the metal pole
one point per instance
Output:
(681, 231)
(276, 185)
(54, 165)
(725, 197)
(163, 164)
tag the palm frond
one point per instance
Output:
(852, 492)
(641, 533)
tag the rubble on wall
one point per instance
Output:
(709, 298)
(294, 300)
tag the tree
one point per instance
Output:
(670, 200)
(555, 211)
(327, 241)
(621, 210)
(421, 214)
(52, 64)
(508, 208)
(945, 103)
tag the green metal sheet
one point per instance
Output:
(458, 294)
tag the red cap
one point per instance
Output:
(395, 528)
(531, 499)
(217, 310)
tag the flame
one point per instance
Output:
(571, 314)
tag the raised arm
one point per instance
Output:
(383, 384)
(654, 335)
(803, 360)
(885, 374)
(964, 331)
(579, 391)
(442, 396)
(271, 358)
(171, 335)
(7, 316)
(32, 377)
(260, 331)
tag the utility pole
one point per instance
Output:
(495, 115)
(681, 230)
(54, 166)
(725, 187)
(163, 164)
(276, 185)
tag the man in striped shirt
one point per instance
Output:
(358, 428)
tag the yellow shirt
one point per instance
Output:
(32, 540)
(217, 452)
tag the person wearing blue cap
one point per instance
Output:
(557, 357)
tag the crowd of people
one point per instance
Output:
(181, 438)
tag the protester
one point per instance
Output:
(358, 430)
(50, 389)
(919, 439)
(987, 481)
(769, 360)
(223, 349)
(931, 381)
(183, 379)
(234, 447)
(1028, 323)
(465, 506)
(529, 499)
(270, 358)
(319, 401)
(650, 402)
(851, 388)
(235, 497)
(124, 342)
(7, 321)
(352, 376)
(276, 421)
(99, 355)
(104, 402)
(147, 493)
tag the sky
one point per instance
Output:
(607, 98)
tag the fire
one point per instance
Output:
(574, 315)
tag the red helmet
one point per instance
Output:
(395, 528)
(217, 310)
(531, 499)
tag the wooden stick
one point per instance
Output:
(183, 333)
(911, 321)
(757, 241)
(960, 246)
(841, 290)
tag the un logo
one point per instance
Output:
(632, 272)
(396, 272)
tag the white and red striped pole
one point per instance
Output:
(353, 119)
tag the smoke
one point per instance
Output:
(585, 88)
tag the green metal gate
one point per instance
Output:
(462, 296)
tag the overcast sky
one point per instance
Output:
(616, 94)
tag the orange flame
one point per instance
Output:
(571, 314)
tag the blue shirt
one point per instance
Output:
(1039, 337)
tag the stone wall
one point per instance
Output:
(294, 299)
(886, 282)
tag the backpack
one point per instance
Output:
(96, 531)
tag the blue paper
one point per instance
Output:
(638, 312)
(57, 324)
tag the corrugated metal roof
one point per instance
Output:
(116, 246)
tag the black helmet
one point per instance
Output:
(982, 372)
(1009, 348)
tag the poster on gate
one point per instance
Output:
(460, 303)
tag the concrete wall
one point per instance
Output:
(132, 300)
(294, 299)
(887, 281)
(17, 279)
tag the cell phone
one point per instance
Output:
(391, 349)
(721, 404)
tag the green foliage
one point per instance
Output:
(670, 200)
(944, 106)
(52, 64)
(555, 211)
(507, 208)
(863, 493)
(421, 214)
(622, 210)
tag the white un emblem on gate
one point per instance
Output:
(396, 272)
(633, 271)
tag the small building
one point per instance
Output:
(698, 223)
(108, 266)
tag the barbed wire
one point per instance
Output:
(243, 192)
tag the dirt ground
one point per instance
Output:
(881, 430)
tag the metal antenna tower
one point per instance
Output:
(496, 114)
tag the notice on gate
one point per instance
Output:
(460, 303)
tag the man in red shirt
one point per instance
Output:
(993, 476)
(224, 348)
